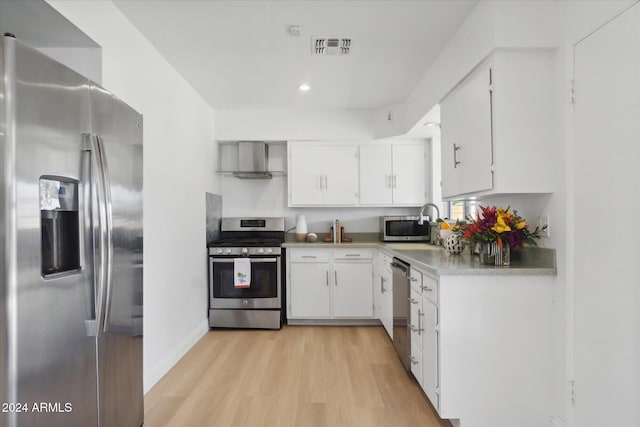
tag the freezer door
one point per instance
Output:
(118, 132)
(46, 289)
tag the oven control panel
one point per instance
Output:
(235, 251)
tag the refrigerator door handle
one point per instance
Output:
(97, 240)
(107, 208)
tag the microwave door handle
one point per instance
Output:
(107, 202)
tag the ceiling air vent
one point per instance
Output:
(330, 46)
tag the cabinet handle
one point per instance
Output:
(414, 360)
(321, 182)
(455, 155)
(309, 256)
(327, 277)
(412, 279)
(326, 183)
(382, 289)
(395, 179)
(426, 288)
(412, 301)
(351, 254)
(413, 328)
(335, 276)
(387, 181)
(420, 314)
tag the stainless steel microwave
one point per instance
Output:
(404, 229)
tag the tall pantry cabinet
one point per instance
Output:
(606, 319)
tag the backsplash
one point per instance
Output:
(214, 215)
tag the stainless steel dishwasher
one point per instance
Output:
(401, 332)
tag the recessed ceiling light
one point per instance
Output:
(304, 87)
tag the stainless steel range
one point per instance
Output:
(245, 274)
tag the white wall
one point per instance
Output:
(233, 125)
(179, 159)
(84, 60)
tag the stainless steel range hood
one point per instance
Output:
(253, 161)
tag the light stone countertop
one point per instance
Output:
(435, 260)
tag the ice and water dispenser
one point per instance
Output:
(59, 224)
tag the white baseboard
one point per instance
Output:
(557, 422)
(154, 373)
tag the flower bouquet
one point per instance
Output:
(497, 230)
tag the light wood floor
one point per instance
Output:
(298, 376)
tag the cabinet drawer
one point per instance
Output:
(416, 320)
(385, 260)
(309, 256)
(351, 254)
(415, 277)
(416, 363)
(430, 288)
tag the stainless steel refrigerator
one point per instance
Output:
(70, 248)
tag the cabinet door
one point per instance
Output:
(306, 174)
(376, 175)
(352, 290)
(430, 379)
(467, 152)
(607, 302)
(408, 174)
(309, 290)
(340, 164)
(416, 324)
(449, 137)
(386, 316)
(474, 133)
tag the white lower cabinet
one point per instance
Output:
(352, 293)
(430, 383)
(424, 333)
(310, 297)
(384, 292)
(480, 346)
(330, 284)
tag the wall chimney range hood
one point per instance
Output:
(253, 159)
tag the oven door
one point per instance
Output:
(264, 289)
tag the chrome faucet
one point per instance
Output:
(422, 209)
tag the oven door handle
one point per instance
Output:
(252, 260)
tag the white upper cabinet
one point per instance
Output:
(357, 174)
(323, 174)
(496, 128)
(392, 174)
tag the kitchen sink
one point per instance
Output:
(412, 246)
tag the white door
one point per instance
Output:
(310, 292)
(352, 293)
(306, 174)
(449, 141)
(340, 164)
(606, 275)
(376, 175)
(474, 152)
(387, 302)
(409, 177)
(430, 377)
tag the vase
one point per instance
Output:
(454, 244)
(492, 254)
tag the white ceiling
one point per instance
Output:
(239, 55)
